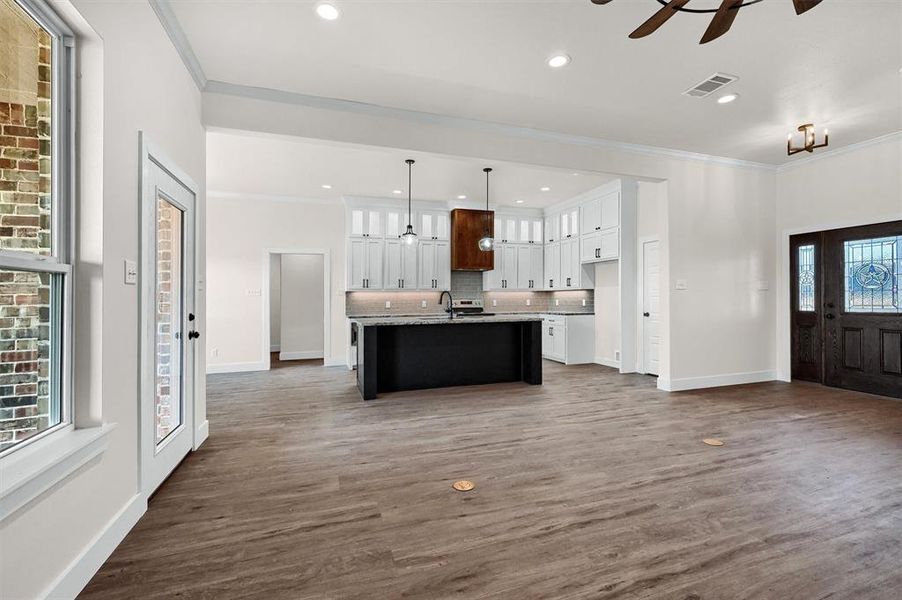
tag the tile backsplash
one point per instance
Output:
(467, 285)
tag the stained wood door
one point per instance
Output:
(806, 306)
(863, 308)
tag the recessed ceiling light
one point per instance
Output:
(327, 11)
(397, 192)
(546, 189)
(326, 186)
(727, 98)
(462, 197)
(558, 60)
(519, 202)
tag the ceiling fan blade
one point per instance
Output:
(600, 1)
(803, 5)
(722, 21)
(658, 19)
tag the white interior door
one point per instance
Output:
(651, 308)
(167, 321)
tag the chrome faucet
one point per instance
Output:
(449, 308)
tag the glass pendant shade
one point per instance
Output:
(409, 237)
(486, 242)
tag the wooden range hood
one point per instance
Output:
(467, 226)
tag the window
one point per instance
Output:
(34, 241)
(806, 277)
(872, 272)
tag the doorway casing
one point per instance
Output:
(268, 253)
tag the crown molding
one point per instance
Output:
(221, 195)
(177, 36)
(889, 137)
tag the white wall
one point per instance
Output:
(275, 302)
(144, 87)
(239, 232)
(840, 189)
(302, 306)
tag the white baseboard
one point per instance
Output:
(201, 434)
(697, 383)
(336, 362)
(80, 571)
(301, 355)
(607, 362)
(237, 367)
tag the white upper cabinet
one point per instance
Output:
(395, 223)
(434, 225)
(504, 275)
(529, 230)
(552, 228)
(570, 223)
(365, 268)
(506, 230)
(591, 217)
(400, 265)
(434, 265)
(366, 222)
(552, 275)
(610, 210)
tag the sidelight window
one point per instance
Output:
(806, 278)
(872, 273)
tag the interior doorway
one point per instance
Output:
(846, 308)
(297, 307)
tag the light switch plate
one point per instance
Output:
(254, 293)
(131, 272)
(763, 286)
(682, 284)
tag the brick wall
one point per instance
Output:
(25, 226)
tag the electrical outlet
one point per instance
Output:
(214, 352)
(528, 302)
(617, 355)
(557, 302)
(763, 286)
(254, 292)
(494, 303)
(682, 284)
(584, 301)
(388, 304)
(422, 304)
(131, 272)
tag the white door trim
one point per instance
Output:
(640, 297)
(150, 152)
(327, 305)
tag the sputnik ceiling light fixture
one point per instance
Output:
(409, 237)
(486, 242)
(807, 131)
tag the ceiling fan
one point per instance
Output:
(720, 24)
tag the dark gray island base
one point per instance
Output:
(395, 354)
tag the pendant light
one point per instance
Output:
(486, 242)
(409, 237)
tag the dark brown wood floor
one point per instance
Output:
(595, 485)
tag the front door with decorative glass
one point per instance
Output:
(847, 308)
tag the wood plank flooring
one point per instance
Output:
(594, 485)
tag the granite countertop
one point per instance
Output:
(444, 320)
(528, 315)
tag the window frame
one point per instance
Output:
(62, 198)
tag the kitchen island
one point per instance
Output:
(413, 353)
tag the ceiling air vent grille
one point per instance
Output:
(710, 85)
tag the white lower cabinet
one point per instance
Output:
(569, 339)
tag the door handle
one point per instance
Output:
(829, 316)
(193, 335)
(191, 316)
(645, 314)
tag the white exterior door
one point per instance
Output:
(651, 306)
(167, 320)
